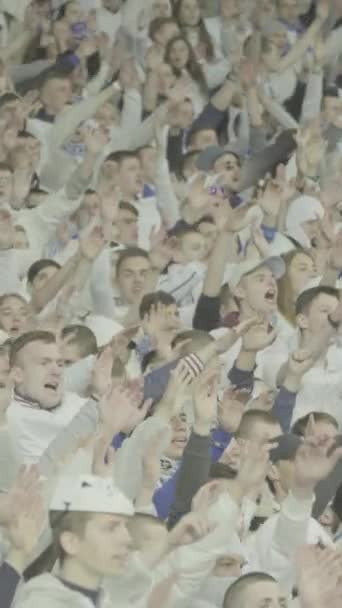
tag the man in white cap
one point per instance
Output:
(88, 517)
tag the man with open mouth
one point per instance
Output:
(39, 408)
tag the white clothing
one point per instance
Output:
(32, 430)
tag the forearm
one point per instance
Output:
(216, 266)
(284, 405)
(150, 95)
(68, 440)
(167, 200)
(194, 473)
(18, 45)
(301, 46)
(69, 120)
(50, 290)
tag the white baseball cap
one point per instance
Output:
(89, 493)
(275, 264)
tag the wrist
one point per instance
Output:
(202, 428)
(17, 560)
(246, 360)
(292, 382)
(302, 490)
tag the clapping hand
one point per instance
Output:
(319, 576)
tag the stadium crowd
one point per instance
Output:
(170, 303)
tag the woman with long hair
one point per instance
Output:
(300, 270)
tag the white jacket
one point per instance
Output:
(32, 430)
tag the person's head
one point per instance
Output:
(202, 137)
(208, 229)
(313, 307)
(178, 53)
(112, 5)
(88, 519)
(188, 166)
(228, 166)
(162, 29)
(40, 273)
(6, 183)
(324, 425)
(187, 13)
(151, 301)
(14, 314)
(289, 11)
(332, 107)
(127, 168)
(230, 9)
(88, 209)
(258, 426)
(107, 115)
(192, 245)
(182, 115)
(37, 368)
(300, 270)
(161, 9)
(133, 270)
(72, 12)
(257, 589)
(55, 93)
(167, 78)
(179, 438)
(256, 289)
(5, 380)
(148, 159)
(78, 342)
(11, 111)
(32, 145)
(146, 530)
(126, 224)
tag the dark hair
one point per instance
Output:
(60, 522)
(203, 32)
(331, 90)
(128, 207)
(31, 336)
(285, 295)
(233, 593)
(192, 66)
(55, 74)
(36, 267)
(305, 300)
(90, 191)
(301, 424)
(219, 470)
(186, 159)
(182, 229)
(7, 98)
(159, 22)
(250, 418)
(130, 252)
(337, 503)
(82, 337)
(5, 297)
(152, 299)
(195, 130)
(120, 156)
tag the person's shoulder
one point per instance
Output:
(47, 590)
